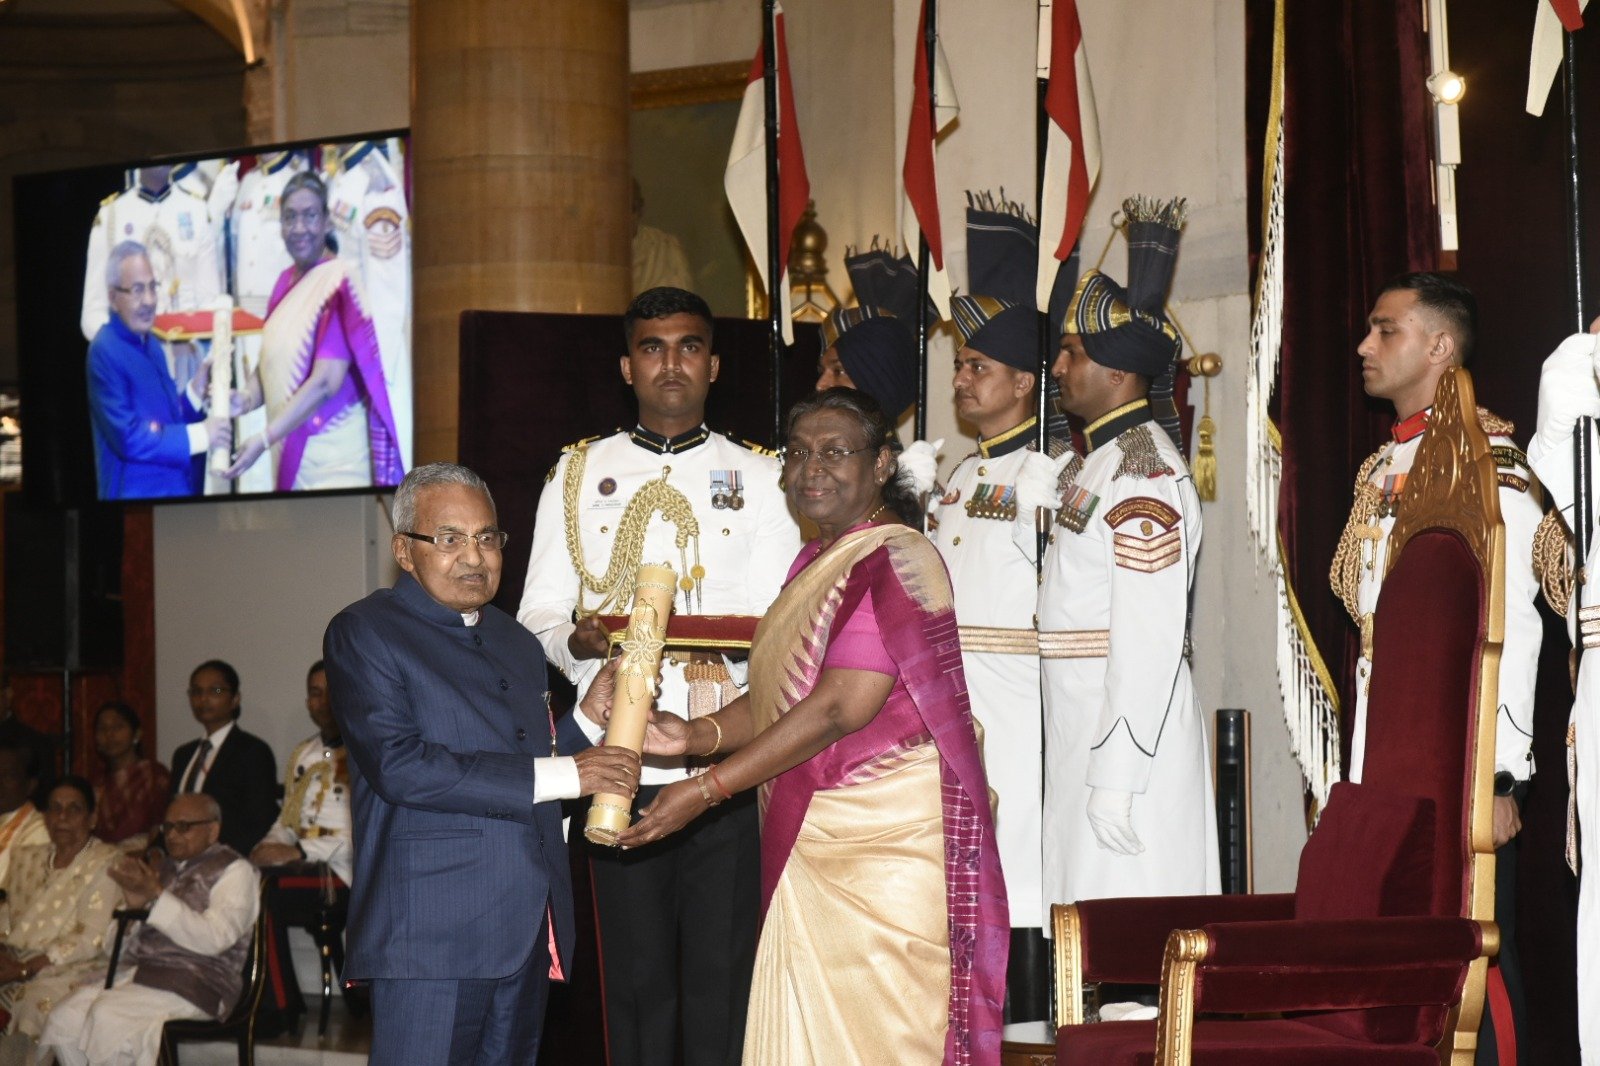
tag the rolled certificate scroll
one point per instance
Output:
(657, 584)
(221, 388)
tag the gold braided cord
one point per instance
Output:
(1345, 573)
(1552, 563)
(615, 586)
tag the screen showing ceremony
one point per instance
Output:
(245, 319)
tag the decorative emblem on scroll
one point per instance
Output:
(654, 588)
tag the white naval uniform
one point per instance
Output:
(368, 203)
(745, 553)
(1553, 465)
(1121, 708)
(989, 550)
(1519, 658)
(176, 229)
(322, 824)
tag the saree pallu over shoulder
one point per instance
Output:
(912, 600)
(300, 318)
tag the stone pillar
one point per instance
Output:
(519, 120)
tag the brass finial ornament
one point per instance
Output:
(811, 297)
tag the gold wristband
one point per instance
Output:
(705, 793)
(718, 744)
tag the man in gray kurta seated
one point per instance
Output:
(186, 960)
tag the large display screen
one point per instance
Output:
(236, 324)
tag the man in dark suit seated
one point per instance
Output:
(233, 767)
(461, 898)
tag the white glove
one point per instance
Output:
(1111, 818)
(920, 463)
(1567, 391)
(1036, 485)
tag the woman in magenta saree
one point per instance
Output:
(329, 424)
(885, 931)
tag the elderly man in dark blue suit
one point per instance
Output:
(461, 902)
(149, 438)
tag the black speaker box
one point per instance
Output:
(63, 592)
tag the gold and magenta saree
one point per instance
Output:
(885, 930)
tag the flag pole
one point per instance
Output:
(775, 305)
(1583, 475)
(1041, 139)
(930, 45)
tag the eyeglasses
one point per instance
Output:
(195, 691)
(183, 827)
(139, 291)
(489, 540)
(826, 456)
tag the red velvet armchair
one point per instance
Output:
(1379, 954)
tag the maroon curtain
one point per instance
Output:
(1358, 209)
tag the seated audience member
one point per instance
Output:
(131, 788)
(231, 766)
(14, 731)
(185, 960)
(306, 854)
(21, 823)
(61, 896)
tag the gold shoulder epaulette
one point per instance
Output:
(584, 443)
(1493, 424)
(1140, 459)
(109, 200)
(759, 449)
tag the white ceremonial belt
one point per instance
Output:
(1075, 644)
(1589, 627)
(999, 641)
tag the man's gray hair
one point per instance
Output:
(403, 513)
(119, 255)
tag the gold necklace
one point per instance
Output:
(875, 514)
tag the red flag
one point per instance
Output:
(1570, 13)
(745, 179)
(933, 107)
(1072, 150)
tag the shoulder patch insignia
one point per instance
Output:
(750, 445)
(1160, 512)
(1140, 459)
(1493, 424)
(1513, 482)
(1509, 456)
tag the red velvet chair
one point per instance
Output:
(1379, 954)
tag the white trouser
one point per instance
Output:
(118, 1026)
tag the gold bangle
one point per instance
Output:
(705, 793)
(714, 747)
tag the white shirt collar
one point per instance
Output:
(220, 735)
(469, 618)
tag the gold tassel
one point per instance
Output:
(1205, 459)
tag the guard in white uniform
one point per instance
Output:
(678, 919)
(367, 201)
(166, 211)
(1567, 392)
(984, 521)
(1129, 805)
(1421, 326)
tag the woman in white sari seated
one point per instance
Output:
(60, 899)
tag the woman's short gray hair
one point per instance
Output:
(403, 512)
(123, 252)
